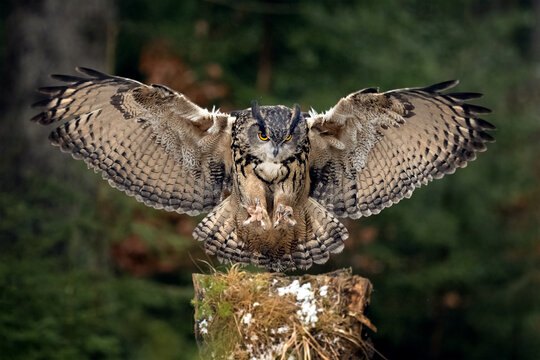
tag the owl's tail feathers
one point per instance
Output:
(317, 234)
(217, 230)
(324, 234)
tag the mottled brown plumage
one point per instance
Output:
(273, 179)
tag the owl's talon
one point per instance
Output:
(256, 212)
(284, 215)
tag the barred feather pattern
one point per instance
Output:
(391, 143)
(148, 141)
(317, 234)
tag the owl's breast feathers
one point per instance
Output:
(271, 173)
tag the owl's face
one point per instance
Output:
(272, 133)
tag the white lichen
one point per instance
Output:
(305, 299)
(283, 329)
(246, 319)
(203, 326)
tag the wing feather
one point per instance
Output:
(391, 143)
(148, 141)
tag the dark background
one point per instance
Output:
(88, 273)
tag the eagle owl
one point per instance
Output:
(273, 180)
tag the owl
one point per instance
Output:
(273, 180)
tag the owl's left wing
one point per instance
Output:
(373, 149)
(147, 140)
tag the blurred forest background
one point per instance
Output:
(88, 273)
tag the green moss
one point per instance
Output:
(224, 309)
(203, 310)
(212, 304)
(214, 288)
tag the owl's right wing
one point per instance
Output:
(373, 149)
(148, 141)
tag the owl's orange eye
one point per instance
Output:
(288, 137)
(263, 137)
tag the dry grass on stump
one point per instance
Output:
(241, 315)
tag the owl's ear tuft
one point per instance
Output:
(256, 112)
(296, 114)
(296, 111)
(255, 109)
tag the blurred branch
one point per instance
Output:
(535, 38)
(264, 71)
(535, 41)
(263, 7)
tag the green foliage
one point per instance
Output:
(59, 299)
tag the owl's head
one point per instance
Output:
(272, 133)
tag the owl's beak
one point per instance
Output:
(276, 150)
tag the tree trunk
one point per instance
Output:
(240, 315)
(44, 37)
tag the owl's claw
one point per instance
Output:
(257, 214)
(284, 215)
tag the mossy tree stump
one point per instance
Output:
(241, 315)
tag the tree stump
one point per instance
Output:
(242, 315)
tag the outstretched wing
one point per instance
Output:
(149, 141)
(373, 149)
